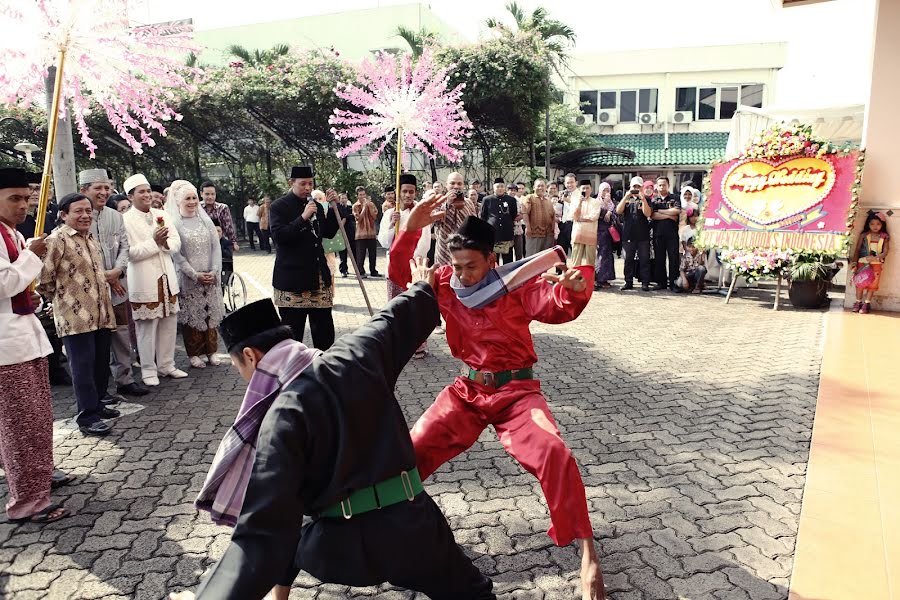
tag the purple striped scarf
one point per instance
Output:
(226, 483)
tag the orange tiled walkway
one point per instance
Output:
(848, 545)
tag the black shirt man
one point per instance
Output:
(500, 210)
(635, 210)
(666, 212)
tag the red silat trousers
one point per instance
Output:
(520, 416)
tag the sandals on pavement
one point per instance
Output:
(58, 479)
(46, 516)
(420, 353)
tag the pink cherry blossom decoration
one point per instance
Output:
(130, 72)
(394, 94)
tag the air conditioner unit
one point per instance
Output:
(647, 118)
(607, 117)
(682, 116)
(584, 119)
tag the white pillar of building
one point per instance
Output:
(880, 138)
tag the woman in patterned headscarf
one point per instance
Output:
(605, 271)
(199, 265)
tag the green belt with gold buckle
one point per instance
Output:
(404, 487)
(501, 378)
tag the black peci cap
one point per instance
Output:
(302, 172)
(408, 179)
(478, 231)
(14, 178)
(248, 321)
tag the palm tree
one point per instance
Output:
(417, 40)
(556, 38)
(258, 57)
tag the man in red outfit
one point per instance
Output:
(493, 340)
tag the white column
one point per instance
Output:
(882, 130)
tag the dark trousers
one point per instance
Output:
(416, 552)
(519, 246)
(251, 229)
(89, 360)
(642, 250)
(565, 236)
(506, 258)
(665, 245)
(264, 241)
(362, 247)
(351, 237)
(321, 325)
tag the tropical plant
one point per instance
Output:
(259, 57)
(417, 40)
(811, 266)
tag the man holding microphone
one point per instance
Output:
(301, 278)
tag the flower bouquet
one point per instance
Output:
(757, 264)
(788, 140)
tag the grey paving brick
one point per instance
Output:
(693, 473)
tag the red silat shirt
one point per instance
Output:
(496, 337)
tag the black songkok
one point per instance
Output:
(302, 172)
(14, 178)
(478, 231)
(248, 321)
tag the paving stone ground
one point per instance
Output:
(690, 419)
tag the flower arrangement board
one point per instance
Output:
(788, 191)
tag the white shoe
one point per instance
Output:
(197, 362)
(175, 374)
(151, 381)
(214, 360)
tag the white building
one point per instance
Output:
(672, 107)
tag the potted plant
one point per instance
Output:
(810, 273)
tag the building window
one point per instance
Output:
(728, 102)
(647, 101)
(628, 106)
(686, 100)
(752, 95)
(707, 105)
(588, 103)
(607, 100)
(710, 103)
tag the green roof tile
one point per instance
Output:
(684, 149)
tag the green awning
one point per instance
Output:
(685, 149)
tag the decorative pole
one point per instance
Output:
(397, 186)
(46, 178)
(352, 256)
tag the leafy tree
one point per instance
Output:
(505, 90)
(555, 39)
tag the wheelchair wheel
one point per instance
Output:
(235, 292)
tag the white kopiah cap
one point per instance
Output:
(134, 181)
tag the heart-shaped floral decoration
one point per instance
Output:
(770, 191)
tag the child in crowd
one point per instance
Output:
(867, 260)
(693, 269)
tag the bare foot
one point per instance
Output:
(592, 587)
